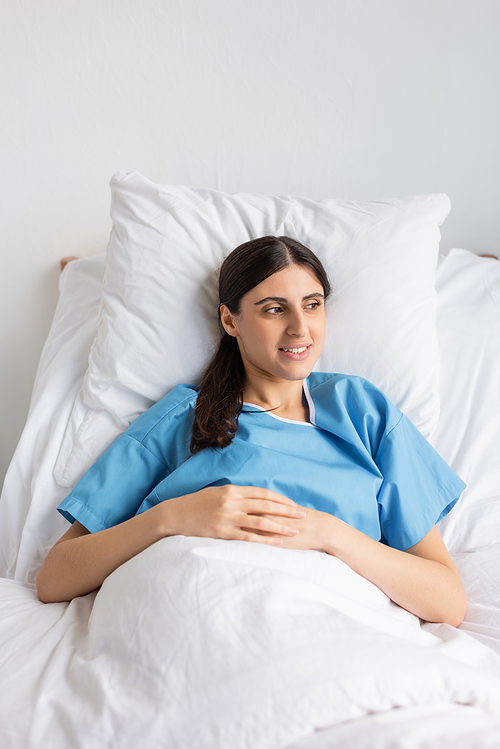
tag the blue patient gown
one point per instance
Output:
(359, 459)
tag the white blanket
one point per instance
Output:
(212, 644)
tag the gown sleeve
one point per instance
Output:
(418, 489)
(113, 489)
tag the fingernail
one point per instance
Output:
(300, 514)
(292, 531)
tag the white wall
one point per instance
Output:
(325, 98)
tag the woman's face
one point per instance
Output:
(281, 325)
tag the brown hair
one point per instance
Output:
(220, 399)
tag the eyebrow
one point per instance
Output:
(282, 300)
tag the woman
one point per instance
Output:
(338, 467)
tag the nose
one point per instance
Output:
(297, 326)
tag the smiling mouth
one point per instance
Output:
(299, 350)
(296, 353)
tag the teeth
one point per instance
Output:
(295, 350)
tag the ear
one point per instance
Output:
(228, 321)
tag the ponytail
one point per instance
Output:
(220, 398)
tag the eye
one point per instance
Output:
(313, 305)
(274, 310)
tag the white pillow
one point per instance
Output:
(158, 323)
(468, 432)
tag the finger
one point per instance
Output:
(265, 507)
(262, 524)
(258, 492)
(243, 535)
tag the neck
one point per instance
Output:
(283, 398)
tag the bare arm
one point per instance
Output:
(80, 561)
(423, 579)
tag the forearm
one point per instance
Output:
(427, 588)
(76, 566)
(81, 561)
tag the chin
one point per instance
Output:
(298, 373)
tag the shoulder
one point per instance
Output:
(351, 390)
(174, 408)
(354, 403)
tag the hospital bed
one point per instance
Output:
(214, 644)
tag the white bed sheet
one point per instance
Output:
(39, 643)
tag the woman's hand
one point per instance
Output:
(310, 530)
(243, 513)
